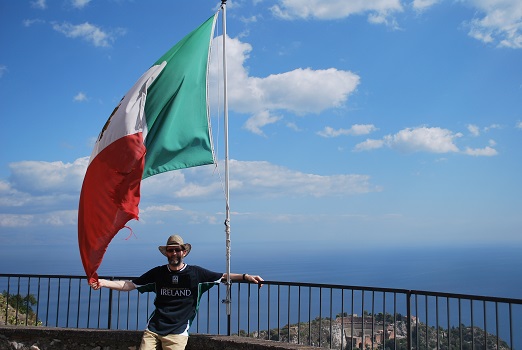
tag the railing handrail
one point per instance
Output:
(313, 285)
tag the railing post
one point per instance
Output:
(408, 321)
(109, 316)
(229, 325)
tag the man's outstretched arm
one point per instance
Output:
(116, 285)
(243, 277)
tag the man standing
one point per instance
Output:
(176, 286)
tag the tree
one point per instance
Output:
(23, 304)
(18, 308)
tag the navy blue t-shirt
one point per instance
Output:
(176, 296)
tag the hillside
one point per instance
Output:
(23, 316)
(321, 333)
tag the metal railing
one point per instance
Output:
(322, 315)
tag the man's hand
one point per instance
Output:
(96, 285)
(254, 279)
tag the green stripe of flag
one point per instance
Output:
(176, 107)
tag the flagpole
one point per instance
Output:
(227, 191)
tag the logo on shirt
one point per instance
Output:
(175, 292)
(175, 279)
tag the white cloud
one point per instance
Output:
(474, 130)
(293, 126)
(383, 18)
(14, 220)
(362, 129)
(48, 177)
(356, 129)
(80, 97)
(255, 177)
(486, 151)
(161, 208)
(433, 140)
(301, 91)
(269, 180)
(425, 139)
(79, 4)
(306, 90)
(518, 125)
(369, 144)
(39, 4)
(10, 197)
(196, 190)
(30, 22)
(60, 218)
(159, 214)
(261, 119)
(501, 23)
(422, 5)
(497, 22)
(50, 190)
(335, 9)
(88, 32)
(492, 126)
(251, 19)
(4, 186)
(3, 69)
(52, 218)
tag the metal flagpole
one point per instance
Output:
(227, 192)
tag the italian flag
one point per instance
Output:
(161, 124)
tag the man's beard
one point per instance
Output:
(175, 261)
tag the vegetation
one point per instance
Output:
(470, 336)
(18, 309)
(322, 332)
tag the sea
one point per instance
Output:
(487, 270)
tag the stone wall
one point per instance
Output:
(43, 338)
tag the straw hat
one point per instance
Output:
(173, 241)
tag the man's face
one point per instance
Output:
(175, 255)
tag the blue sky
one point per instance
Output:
(352, 123)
